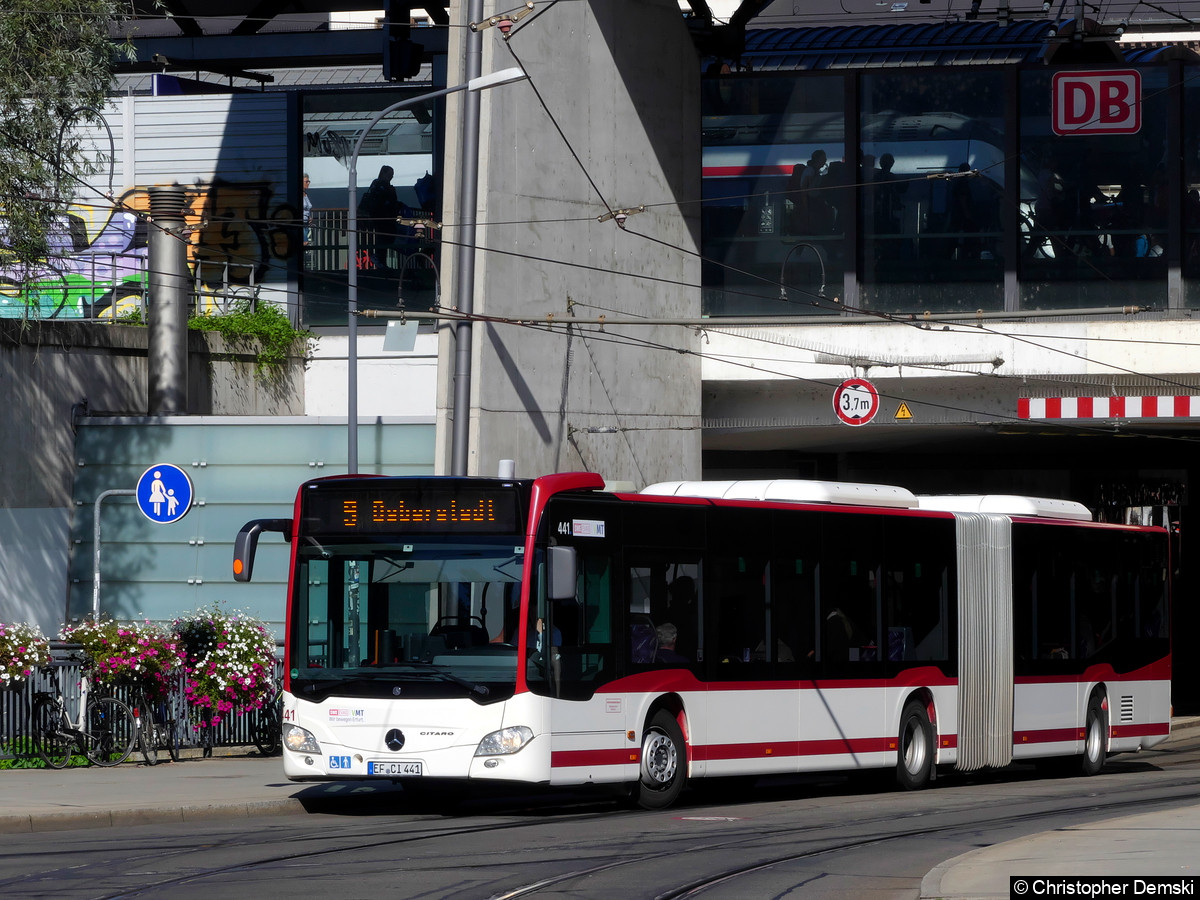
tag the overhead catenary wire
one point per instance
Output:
(985, 416)
(885, 317)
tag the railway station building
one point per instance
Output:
(955, 250)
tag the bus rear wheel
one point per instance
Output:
(664, 763)
(1095, 737)
(914, 767)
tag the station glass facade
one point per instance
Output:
(948, 189)
(398, 174)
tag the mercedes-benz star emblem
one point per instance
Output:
(394, 739)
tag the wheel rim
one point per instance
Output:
(53, 747)
(1094, 739)
(112, 732)
(660, 760)
(915, 750)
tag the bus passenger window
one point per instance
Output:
(662, 593)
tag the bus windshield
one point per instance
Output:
(427, 615)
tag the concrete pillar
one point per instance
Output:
(167, 306)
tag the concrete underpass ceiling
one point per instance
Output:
(942, 439)
(949, 415)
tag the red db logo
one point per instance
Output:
(1097, 102)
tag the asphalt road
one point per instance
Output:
(810, 837)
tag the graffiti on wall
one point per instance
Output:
(238, 233)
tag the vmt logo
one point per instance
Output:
(1097, 102)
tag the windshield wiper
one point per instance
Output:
(426, 672)
(439, 675)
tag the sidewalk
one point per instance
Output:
(229, 786)
(1158, 843)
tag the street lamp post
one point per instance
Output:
(505, 76)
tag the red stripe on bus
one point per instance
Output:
(832, 747)
(575, 759)
(772, 749)
(682, 680)
(1153, 729)
(1048, 736)
(1159, 670)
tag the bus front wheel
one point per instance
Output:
(664, 763)
(914, 768)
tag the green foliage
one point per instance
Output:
(134, 653)
(265, 323)
(55, 72)
(21, 754)
(229, 659)
(14, 756)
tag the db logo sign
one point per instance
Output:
(1097, 102)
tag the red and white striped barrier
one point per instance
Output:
(1175, 407)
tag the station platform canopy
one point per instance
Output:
(946, 43)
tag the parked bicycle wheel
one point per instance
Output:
(174, 718)
(268, 728)
(51, 744)
(147, 732)
(111, 731)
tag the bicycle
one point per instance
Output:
(105, 731)
(268, 725)
(155, 726)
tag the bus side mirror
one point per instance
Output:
(560, 581)
(246, 543)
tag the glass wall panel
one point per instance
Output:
(931, 181)
(1191, 188)
(1093, 206)
(398, 175)
(775, 194)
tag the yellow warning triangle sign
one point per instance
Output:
(903, 412)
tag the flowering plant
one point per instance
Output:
(229, 659)
(127, 653)
(22, 649)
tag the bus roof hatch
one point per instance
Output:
(787, 490)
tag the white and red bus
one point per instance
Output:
(547, 631)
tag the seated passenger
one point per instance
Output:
(667, 635)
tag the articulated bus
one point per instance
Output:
(547, 631)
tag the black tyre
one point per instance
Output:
(664, 763)
(915, 748)
(1095, 739)
(147, 741)
(51, 744)
(171, 731)
(268, 731)
(111, 731)
(147, 733)
(205, 738)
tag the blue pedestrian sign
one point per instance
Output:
(164, 493)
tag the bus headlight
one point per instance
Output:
(300, 739)
(506, 740)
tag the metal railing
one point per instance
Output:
(16, 703)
